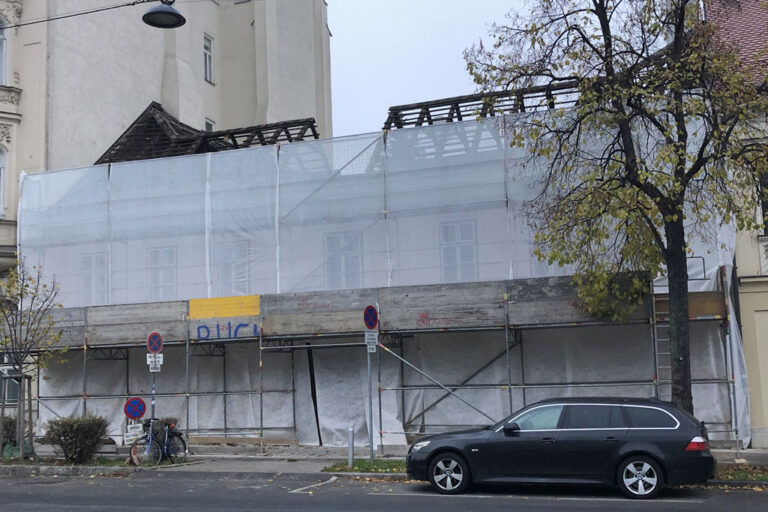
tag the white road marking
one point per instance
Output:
(303, 490)
(528, 498)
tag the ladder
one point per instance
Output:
(661, 346)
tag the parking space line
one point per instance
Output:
(695, 501)
(303, 490)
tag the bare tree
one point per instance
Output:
(28, 334)
(667, 135)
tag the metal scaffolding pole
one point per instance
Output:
(506, 349)
(381, 425)
(85, 375)
(186, 376)
(224, 378)
(261, 391)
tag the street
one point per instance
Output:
(209, 491)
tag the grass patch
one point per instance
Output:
(742, 472)
(364, 466)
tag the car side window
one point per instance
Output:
(646, 417)
(540, 418)
(582, 416)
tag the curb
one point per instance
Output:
(37, 470)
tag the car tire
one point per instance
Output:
(449, 473)
(640, 477)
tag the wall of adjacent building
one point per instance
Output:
(752, 267)
(74, 85)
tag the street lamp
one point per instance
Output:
(164, 16)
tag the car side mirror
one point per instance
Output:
(511, 429)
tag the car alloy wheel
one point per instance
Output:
(640, 477)
(449, 474)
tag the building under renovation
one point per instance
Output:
(256, 264)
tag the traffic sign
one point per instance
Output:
(155, 368)
(371, 349)
(134, 408)
(370, 317)
(154, 342)
(372, 338)
(154, 358)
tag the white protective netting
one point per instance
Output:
(428, 205)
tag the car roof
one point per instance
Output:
(606, 400)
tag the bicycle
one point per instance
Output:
(149, 450)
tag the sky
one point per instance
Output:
(394, 52)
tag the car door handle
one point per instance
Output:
(611, 439)
(548, 440)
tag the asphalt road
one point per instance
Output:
(152, 491)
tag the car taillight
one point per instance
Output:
(697, 444)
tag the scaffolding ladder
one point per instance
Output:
(662, 379)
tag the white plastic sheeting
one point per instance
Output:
(426, 205)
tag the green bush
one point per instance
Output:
(9, 431)
(79, 438)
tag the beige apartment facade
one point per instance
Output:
(70, 87)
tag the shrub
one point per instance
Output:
(79, 438)
(9, 431)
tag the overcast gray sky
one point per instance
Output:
(391, 52)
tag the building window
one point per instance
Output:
(232, 265)
(11, 385)
(458, 250)
(210, 126)
(343, 261)
(3, 53)
(208, 58)
(93, 278)
(162, 273)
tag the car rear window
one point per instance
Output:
(579, 416)
(646, 417)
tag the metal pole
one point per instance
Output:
(186, 377)
(506, 348)
(351, 448)
(224, 397)
(261, 391)
(30, 432)
(370, 411)
(152, 413)
(522, 366)
(20, 420)
(85, 375)
(381, 424)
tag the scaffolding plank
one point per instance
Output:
(71, 321)
(461, 305)
(705, 305)
(316, 312)
(131, 323)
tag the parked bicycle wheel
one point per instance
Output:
(143, 454)
(177, 449)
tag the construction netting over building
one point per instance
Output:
(420, 206)
(433, 205)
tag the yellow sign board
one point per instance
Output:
(225, 307)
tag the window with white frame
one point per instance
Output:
(93, 278)
(11, 385)
(162, 273)
(209, 125)
(343, 260)
(3, 53)
(458, 251)
(208, 58)
(232, 269)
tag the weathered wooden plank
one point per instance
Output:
(314, 323)
(135, 333)
(700, 305)
(461, 305)
(207, 329)
(137, 313)
(319, 302)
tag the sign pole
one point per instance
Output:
(370, 412)
(152, 413)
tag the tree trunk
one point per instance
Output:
(679, 332)
(20, 421)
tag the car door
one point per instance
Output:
(524, 454)
(589, 441)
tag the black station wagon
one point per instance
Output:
(638, 444)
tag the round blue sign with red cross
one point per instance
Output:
(155, 343)
(134, 408)
(370, 317)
